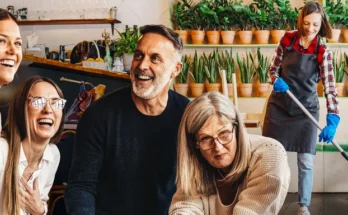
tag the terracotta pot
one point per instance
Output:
(197, 36)
(183, 34)
(230, 89)
(245, 37)
(320, 89)
(276, 36)
(262, 89)
(245, 90)
(181, 88)
(197, 89)
(213, 87)
(227, 37)
(213, 37)
(340, 88)
(335, 36)
(261, 36)
(345, 35)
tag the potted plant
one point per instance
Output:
(209, 9)
(126, 44)
(279, 19)
(197, 86)
(246, 72)
(228, 19)
(197, 21)
(261, 20)
(336, 15)
(338, 65)
(246, 18)
(261, 67)
(182, 86)
(180, 19)
(210, 70)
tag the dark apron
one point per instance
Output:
(284, 120)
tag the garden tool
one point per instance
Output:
(343, 153)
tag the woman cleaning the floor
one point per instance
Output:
(302, 59)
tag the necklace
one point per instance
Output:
(223, 177)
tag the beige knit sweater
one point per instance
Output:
(263, 190)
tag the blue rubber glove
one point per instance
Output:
(328, 133)
(280, 86)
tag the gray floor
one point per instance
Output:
(321, 204)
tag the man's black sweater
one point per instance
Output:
(124, 161)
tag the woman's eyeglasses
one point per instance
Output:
(40, 102)
(224, 137)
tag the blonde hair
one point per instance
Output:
(15, 130)
(195, 176)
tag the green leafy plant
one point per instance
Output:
(127, 42)
(180, 15)
(261, 66)
(210, 66)
(338, 65)
(245, 68)
(197, 69)
(182, 77)
(282, 15)
(261, 9)
(245, 16)
(227, 63)
(335, 12)
(226, 15)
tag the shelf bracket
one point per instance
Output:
(112, 28)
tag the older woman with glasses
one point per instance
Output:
(223, 170)
(28, 159)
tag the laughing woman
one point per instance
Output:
(28, 159)
(10, 48)
(221, 168)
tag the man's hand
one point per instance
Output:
(30, 200)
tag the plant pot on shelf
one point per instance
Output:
(213, 87)
(197, 89)
(127, 61)
(335, 36)
(227, 36)
(230, 89)
(245, 90)
(276, 36)
(181, 88)
(345, 35)
(261, 36)
(340, 89)
(320, 89)
(197, 36)
(245, 37)
(183, 34)
(213, 37)
(262, 89)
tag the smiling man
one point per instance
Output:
(125, 152)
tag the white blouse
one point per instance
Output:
(45, 173)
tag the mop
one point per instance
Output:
(343, 153)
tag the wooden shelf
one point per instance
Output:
(68, 21)
(250, 45)
(76, 67)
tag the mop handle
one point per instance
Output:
(343, 153)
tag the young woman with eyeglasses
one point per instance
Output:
(221, 168)
(28, 157)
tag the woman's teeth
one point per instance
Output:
(9, 63)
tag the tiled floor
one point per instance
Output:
(322, 204)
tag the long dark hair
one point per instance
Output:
(15, 131)
(4, 14)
